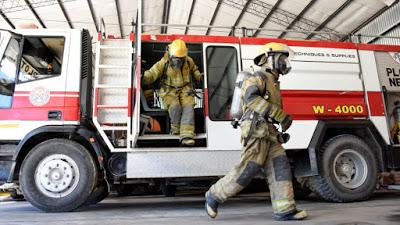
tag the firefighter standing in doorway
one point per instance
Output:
(176, 71)
(262, 142)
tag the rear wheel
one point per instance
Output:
(58, 175)
(348, 170)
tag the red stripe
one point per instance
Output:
(374, 47)
(22, 109)
(303, 105)
(191, 38)
(130, 102)
(96, 97)
(206, 101)
(262, 41)
(131, 36)
(318, 44)
(375, 101)
(51, 92)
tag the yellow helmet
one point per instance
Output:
(177, 48)
(272, 48)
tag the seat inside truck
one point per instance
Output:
(155, 120)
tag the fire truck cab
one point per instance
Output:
(71, 127)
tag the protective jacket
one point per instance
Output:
(172, 78)
(261, 94)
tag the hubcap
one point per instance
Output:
(350, 168)
(57, 175)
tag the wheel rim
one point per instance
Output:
(350, 169)
(57, 175)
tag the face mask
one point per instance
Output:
(282, 64)
(176, 62)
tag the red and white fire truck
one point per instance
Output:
(70, 128)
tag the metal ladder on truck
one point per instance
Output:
(112, 92)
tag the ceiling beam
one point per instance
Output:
(298, 17)
(65, 14)
(89, 2)
(240, 15)
(370, 19)
(119, 18)
(35, 13)
(7, 20)
(165, 17)
(267, 17)
(330, 18)
(190, 15)
(214, 16)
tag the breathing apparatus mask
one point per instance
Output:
(275, 56)
(176, 62)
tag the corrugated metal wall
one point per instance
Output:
(387, 24)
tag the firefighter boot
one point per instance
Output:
(187, 142)
(295, 215)
(211, 205)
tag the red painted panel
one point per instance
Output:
(314, 105)
(191, 38)
(385, 48)
(22, 109)
(206, 101)
(375, 101)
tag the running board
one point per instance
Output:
(168, 137)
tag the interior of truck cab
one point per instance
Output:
(154, 119)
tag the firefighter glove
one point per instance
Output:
(286, 123)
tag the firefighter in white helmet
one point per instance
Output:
(177, 71)
(262, 141)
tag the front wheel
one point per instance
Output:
(348, 170)
(58, 175)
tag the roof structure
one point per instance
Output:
(332, 20)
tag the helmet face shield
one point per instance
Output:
(282, 64)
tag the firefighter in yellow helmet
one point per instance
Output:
(177, 72)
(261, 139)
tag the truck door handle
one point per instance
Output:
(54, 115)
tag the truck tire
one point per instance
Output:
(99, 194)
(348, 170)
(58, 175)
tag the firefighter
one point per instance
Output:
(177, 72)
(262, 142)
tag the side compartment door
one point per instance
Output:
(221, 63)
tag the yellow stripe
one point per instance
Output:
(9, 125)
(4, 194)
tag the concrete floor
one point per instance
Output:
(382, 209)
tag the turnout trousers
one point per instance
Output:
(260, 154)
(180, 106)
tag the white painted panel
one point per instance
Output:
(222, 136)
(331, 55)
(381, 125)
(369, 70)
(19, 129)
(301, 133)
(318, 76)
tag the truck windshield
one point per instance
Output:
(8, 68)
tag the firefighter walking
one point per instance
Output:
(262, 142)
(176, 71)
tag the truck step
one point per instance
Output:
(114, 127)
(112, 86)
(114, 47)
(107, 66)
(168, 137)
(394, 187)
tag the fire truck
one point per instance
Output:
(73, 125)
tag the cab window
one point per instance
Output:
(41, 58)
(8, 70)
(222, 68)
